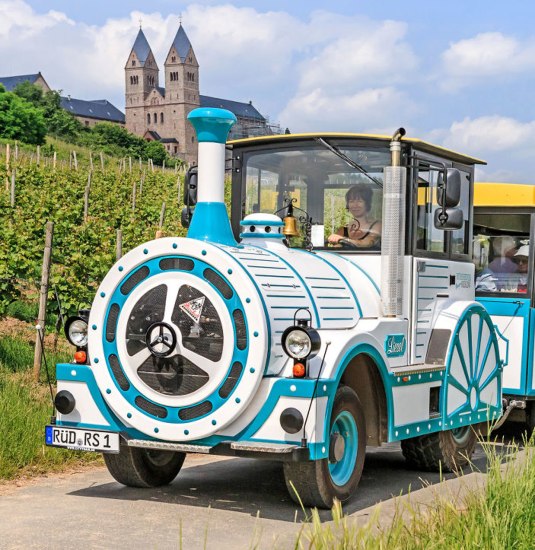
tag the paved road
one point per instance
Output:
(214, 503)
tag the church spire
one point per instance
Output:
(181, 43)
(141, 47)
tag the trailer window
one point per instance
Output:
(501, 253)
(343, 202)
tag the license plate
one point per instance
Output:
(82, 440)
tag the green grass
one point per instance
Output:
(16, 355)
(501, 516)
(25, 408)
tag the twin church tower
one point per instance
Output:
(160, 113)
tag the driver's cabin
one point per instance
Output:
(335, 183)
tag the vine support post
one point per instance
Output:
(13, 181)
(119, 245)
(8, 155)
(43, 294)
(38, 155)
(55, 160)
(102, 161)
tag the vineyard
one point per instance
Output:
(88, 198)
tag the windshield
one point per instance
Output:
(341, 197)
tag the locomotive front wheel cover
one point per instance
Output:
(178, 339)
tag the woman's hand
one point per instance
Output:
(334, 238)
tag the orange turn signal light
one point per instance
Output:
(80, 356)
(299, 370)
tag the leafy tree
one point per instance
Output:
(20, 120)
(156, 151)
(59, 122)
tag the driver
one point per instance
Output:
(362, 231)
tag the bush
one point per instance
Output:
(20, 120)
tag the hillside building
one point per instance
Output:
(160, 113)
(88, 112)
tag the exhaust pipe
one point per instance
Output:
(210, 220)
(393, 233)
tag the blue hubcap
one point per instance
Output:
(344, 426)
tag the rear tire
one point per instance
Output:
(448, 451)
(530, 420)
(319, 482)
(136, 467)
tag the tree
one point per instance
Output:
(59, 122)
(156, 151)
(20, 120)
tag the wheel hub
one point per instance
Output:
(161, 339)
(337, 447)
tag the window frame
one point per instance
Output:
(239, 173)
(514, 211)
(417, 158)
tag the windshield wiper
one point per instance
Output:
(348, 160)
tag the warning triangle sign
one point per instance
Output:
(194, 308)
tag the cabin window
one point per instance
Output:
(501, 251)
(344, 203)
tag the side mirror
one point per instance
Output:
(190, 187)
(449, 188)
(448, 219)
(185, 217)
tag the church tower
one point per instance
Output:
(182, 92)
(141, 76)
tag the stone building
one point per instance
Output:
(160, 113)
(88, 112)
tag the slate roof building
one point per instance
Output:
(92, 112)
(11, 82)
(88, 113)
(160, 113)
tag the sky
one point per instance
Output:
(459, 74)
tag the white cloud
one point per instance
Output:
(487, 55)
(364, 110)
(505, 143)
(490, 133)
(371, 53)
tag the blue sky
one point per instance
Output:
(459, 74)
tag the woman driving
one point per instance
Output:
(362, 231)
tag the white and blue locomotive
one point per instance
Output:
(207, 344)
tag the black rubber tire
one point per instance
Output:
(136, 467)
(312, 480)
(439, 451)
(530, 419)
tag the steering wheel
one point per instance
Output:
(346, 243)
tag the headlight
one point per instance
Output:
(301, 342)
(76, 331)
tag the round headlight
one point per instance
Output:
(301, 342)
(76, 331)
(297, 344)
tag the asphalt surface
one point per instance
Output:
(214, 503)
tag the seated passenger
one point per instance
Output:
(521, 258)
(362, 231)
(504, 249)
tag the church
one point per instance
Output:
(160, 113)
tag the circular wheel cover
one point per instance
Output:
(177, 339)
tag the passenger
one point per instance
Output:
(521, 258)
(362, 231)
(504, 249)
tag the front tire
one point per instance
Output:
(319, 482)
(448, 450)
(136, 467)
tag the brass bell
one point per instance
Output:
(290, 226)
